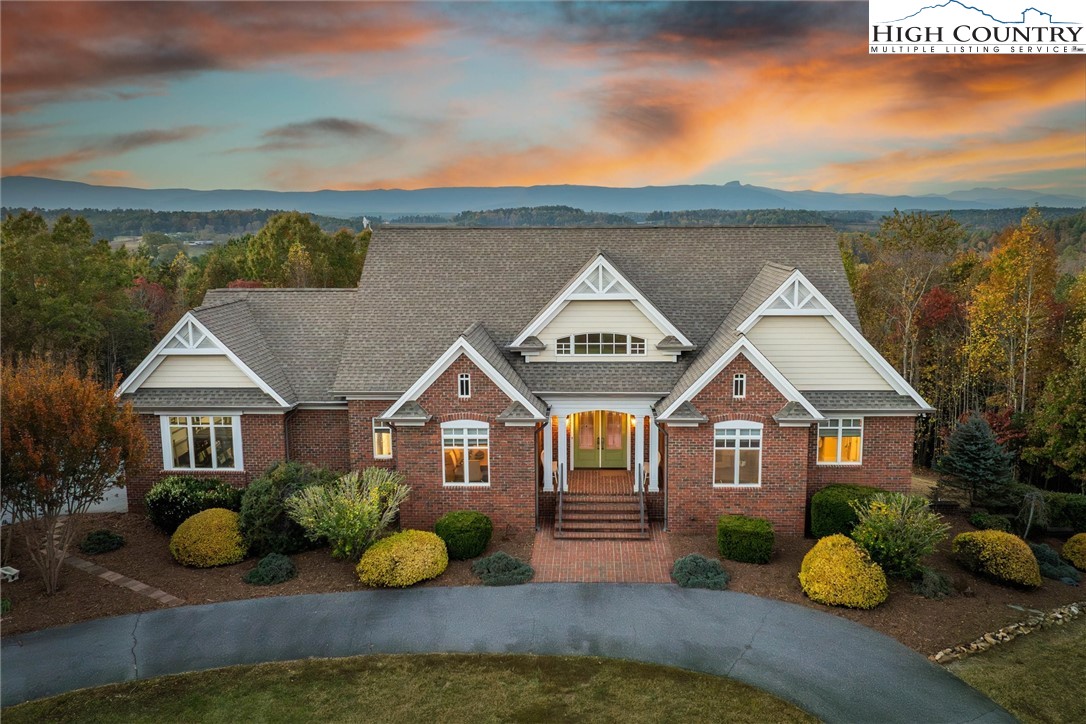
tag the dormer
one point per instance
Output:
(600, 315)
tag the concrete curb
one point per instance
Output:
(837, 670)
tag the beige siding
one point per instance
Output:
(197, 371)
(619, 316)
(813, 355)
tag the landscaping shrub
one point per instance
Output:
(502, 569)
(5, 606)
(352, 512)
(403, 559)
(1066, 510)
(697, 571)
(101, 541)
(179, 497)
(466, 533)
(837, 572)
(1074, 550)
(743, 539)
(897, 531)
(831, 508)
(975, 461)
(1052, 566)
(1000, 556)
(988, 521)
(209, 538)
(272, 569)
(264, 522)
(932, 584)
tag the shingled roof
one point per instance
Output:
(422, 286)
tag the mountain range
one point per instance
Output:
(34, 192)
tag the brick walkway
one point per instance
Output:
(123, 581)
(602, 561)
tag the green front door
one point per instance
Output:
(600, 440)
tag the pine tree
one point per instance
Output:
(975, 461)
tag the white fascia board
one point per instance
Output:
(156, 356)
(745, 347)
(646, 307)
(845, 328)
(460, 347)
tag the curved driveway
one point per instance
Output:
(838, 670)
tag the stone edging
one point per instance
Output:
(1055, 617)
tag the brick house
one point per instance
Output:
(597, 378)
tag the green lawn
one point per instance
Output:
(1038, 677)
(438, 688)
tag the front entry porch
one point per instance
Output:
(601, 482)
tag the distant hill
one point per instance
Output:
(31, 192)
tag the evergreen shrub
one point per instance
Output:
(179, 497)
(832, 511)
(1052, 565)
(837, 572)
(264, 522)
(1000, 556)
(273, 569)
(403, 559)
(932, 584)
(1074, 550)
(101, 541)
(989, 521)
(697, 571)
(975, 462)
(898, 531)
(744, 539)
(209, 538)
(502, 569)
(466, 533)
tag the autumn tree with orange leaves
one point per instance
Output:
(64, 440)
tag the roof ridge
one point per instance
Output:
(216, 305)
(438, 227)
(239, 290)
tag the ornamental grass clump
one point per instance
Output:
(466, 533)
(1053, 566)
(1074, 550)
(898, 531)
(744, 539)
(352, 512)
(179, 497)
(1002, 557)
(264, 521)
(403, 559)
(273, 569)
(209, 538)
(502, 569)
(831, 508)
(837, 572)
(697, 571)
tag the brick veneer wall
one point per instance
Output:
(319, 437)
(510, 498)
(263, 444)
(694, 504)
(887, 457)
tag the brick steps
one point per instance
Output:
(600, 516)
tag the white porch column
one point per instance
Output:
(563, 446)
(639, 447)
(548, 457)
(654, 453)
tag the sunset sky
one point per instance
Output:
(367, 95)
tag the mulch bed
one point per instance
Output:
(924, 625)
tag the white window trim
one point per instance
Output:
(739, 381)
(489, 468)
(463, 380)
(572, 341)
(167, 442)
(837, 463)
(383, 426)
(737, 425)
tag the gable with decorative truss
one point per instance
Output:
(600, 304)
(190, 336)
(796, 298)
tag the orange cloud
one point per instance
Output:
(113, 177)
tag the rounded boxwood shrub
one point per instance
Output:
(697, 571)
(466, 533)
(179, 497)
(1074, 550)
(264, 522)
(209, 538)
(1000, 556)
(743, 539)
(1052, 566)
(988, 521)
(272, 569)
(403, 559)
(502, 569)
(837, 572)
(832, 511)
(101, 541)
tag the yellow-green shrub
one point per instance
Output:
(403, 560)
(1074, 550)
(837, 572)
(998, 555)
(209, 538)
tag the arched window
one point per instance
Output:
(598, 343)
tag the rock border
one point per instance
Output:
(1055, 617)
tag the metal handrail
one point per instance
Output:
(561, 487)
(641, 472)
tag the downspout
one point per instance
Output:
(663, 478)
(540, 467)
(286, 434)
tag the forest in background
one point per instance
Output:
(975, 319)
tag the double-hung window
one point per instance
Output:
(201, 442)
(739, 386)
(463, 384)
(465, 452)
(382, 440)
(737, 449)
(840, 441)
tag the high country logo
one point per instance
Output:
(978, 26)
